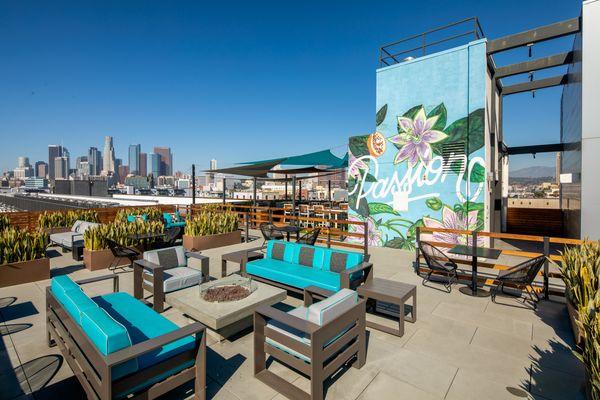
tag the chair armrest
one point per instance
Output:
(366, 267)
(195, 254)
(114, 277)
(147, 346)
(245, 259)
(287, 319)
(147, 265)
(310, 292)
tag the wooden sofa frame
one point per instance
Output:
(93, 369)
(345, 281)
(156, 280)
(322, 366)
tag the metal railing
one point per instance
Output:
(545, 241)
(391, 53)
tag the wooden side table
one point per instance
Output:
(394, 293)
(237, 257)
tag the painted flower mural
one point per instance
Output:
(375, 237)
(356, 167)
(453, 220)
(415, 136)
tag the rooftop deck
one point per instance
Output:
(460, 347)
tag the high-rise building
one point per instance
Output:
(143, 165)
(95, 161)
(134, 158)
(67, 156)
(108, 164)
(61, 170)
(213, 164)
(123, 171)
(54, 151)
(41, 169)
(23, 169)
(166, 160)
(154, 164)
(83, 166)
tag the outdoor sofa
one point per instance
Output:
(317, 339)
(66, 239)
(173, 220)
(166, 270)
(118, 347)
(295, 266)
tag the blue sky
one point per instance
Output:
(229, 80)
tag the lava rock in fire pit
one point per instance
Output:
(226, 293)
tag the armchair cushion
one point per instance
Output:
(170, 257)
(66, 239)
(76, 302)
(178, 278)
(288, 331)
(332, 307)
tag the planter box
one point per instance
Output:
(24, 272)
(574, 317)
(100, 259)
(197, 243)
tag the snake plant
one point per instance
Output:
(59, 219)
(152, 213)
(95, 238)
(4, 222)
(18, 245)
(211, 221)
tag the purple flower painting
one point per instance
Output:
(414, 138)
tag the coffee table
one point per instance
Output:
(224, 319)
(388, 297)
(237, 257)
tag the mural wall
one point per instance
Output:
(425, 163)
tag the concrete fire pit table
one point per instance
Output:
(226, 318)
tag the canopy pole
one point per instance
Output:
(300, 191)
(254, 192)
(329, 190)
(224, 190)
(286, 187)
(294, 197)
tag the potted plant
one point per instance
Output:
(55, 222)
(145, 214)
(210, 228)
(23, 256)
(4, 222)
(580, 271)
(589, 325)
(97, 254)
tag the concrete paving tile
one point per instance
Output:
(418, 369)
(385, 387)
(469, 385)
(495, 365)
(507, 325)
(14, 384)
(555, 385)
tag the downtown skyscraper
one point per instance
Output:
(95, 161)
(166, 160)
(54, 151)
(109, 156)
(134, 159)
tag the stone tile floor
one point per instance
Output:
(459, 348)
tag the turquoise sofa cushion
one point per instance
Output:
(143, 323)
(293, 274)
(352, 258)
(108, 336)
(70, 295)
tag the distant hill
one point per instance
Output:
(533, 172)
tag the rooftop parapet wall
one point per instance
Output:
(426, 163)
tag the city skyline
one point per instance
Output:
(180, 80)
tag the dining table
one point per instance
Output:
(145, 240)
(475, 252)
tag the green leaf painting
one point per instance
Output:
(412, 113)
(380, 208)
(477, 174)
(434, 203)
(380, 116)
(358, 145)
(441, 113)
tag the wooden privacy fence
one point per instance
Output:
(547, 243)
(29, 219)
(334, 231)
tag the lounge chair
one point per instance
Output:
(522, 276)
(66, 239)
(269, 233)
(310, 237)
(317, 340)
(119, 252)
(166, 270)
(118, 347)
(438, 262)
